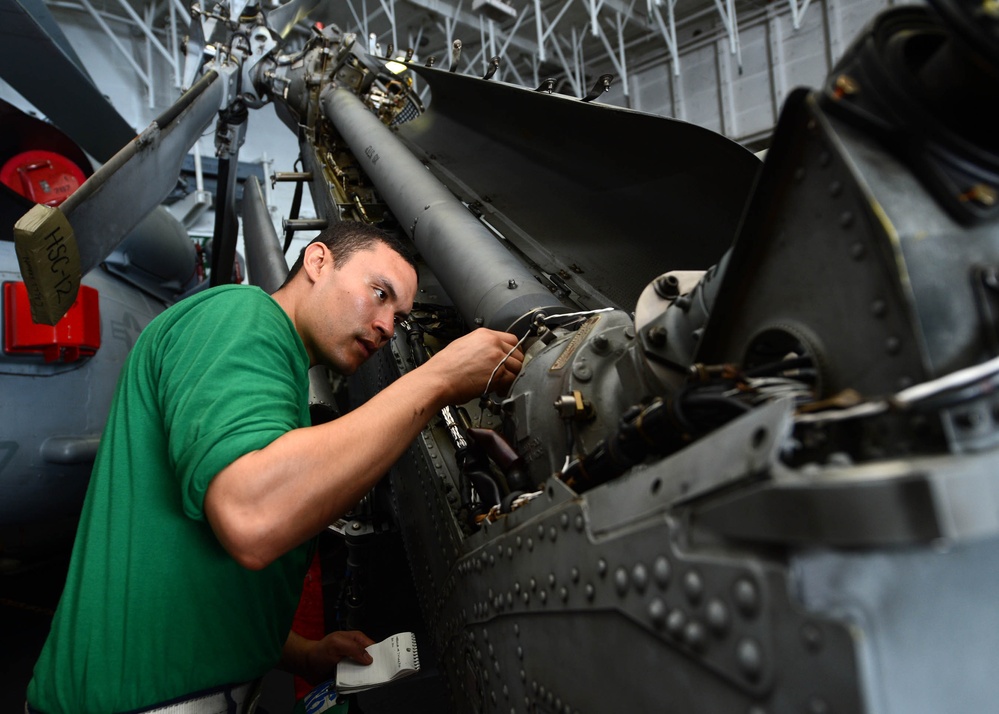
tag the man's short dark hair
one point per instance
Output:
(344, 238)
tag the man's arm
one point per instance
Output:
(269, 501)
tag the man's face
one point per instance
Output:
(356, 306)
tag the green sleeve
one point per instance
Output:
(234, 378)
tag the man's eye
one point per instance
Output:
(381, 294)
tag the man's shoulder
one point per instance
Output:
(226, 300)
(235, 294)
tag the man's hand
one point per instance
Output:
(316, 660)
(475, 364)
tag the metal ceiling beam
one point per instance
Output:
(127, 54)
(668, 32)
(543, 34)
(619, 62)
(727, 13)
(470, 20)
(798, 12)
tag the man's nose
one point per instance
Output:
(385, 325)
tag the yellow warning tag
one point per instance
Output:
(50, 262)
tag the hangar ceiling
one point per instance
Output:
(574, 42)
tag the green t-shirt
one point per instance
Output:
(154, 608)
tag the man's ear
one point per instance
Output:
(317, 259)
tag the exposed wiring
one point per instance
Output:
(954, 380)
(513, 349)
(912, 396)
(542, 319)
(545, 319)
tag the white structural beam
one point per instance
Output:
(143, 26)
(668, 32)
(388, 6)
(726, 10)
(544, 33)
(619, 62)
(470, 20)
(118, 44)
(798, 11)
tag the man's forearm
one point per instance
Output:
(269, 501)
(295, 656)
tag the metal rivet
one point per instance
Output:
(676, 620)
(590, 591)
(621, 581)
(601, 567)
(657, 613)
(846, 219)
(747, 599)
(750, 658)
(717, 616)
(662, 571)
(811, 635)
(695, 636)
(640, 576)
(817, 706)
(693, 586)
(893, 345)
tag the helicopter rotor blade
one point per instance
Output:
(67, 96)
(56, 246)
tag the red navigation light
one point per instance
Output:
(76, 335)
(42, 176)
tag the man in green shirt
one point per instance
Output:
(210, 483)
